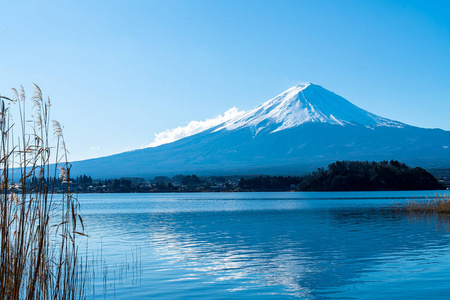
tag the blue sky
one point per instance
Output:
(119, 71)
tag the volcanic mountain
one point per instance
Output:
(299, 130)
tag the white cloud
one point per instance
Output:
(172, 135)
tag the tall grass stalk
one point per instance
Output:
(38, 251)
(439, 204)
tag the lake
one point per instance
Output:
(312, 245)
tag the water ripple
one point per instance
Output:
(221, 246)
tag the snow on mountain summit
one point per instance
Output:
(306, 103)
(329, 128)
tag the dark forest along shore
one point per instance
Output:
(306, 245)
(339, 176)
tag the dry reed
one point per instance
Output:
(38, 251)
(439, 204)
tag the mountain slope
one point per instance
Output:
(303, 128)
(306, 103)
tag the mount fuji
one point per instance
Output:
(301, 129)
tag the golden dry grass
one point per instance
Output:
(38, 242)
(439, 204)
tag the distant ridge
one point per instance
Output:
(301, 129)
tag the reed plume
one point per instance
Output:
(439, 204)
(39, 229)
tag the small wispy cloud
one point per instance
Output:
(172, 135)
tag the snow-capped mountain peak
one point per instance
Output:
(301, 129)
(306, 103)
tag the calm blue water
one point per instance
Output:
(264, 245)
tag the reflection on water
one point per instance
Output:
(269, 248)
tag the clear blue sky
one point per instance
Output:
(118, 71)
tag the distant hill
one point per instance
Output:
(299, 130)
(369, 176)
(440, 173)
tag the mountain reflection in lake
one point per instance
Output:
(268, 245)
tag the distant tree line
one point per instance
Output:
(352, 176)
(270, 183)
(339, 176)
(178, 183)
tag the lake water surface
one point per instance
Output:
(322, 245)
